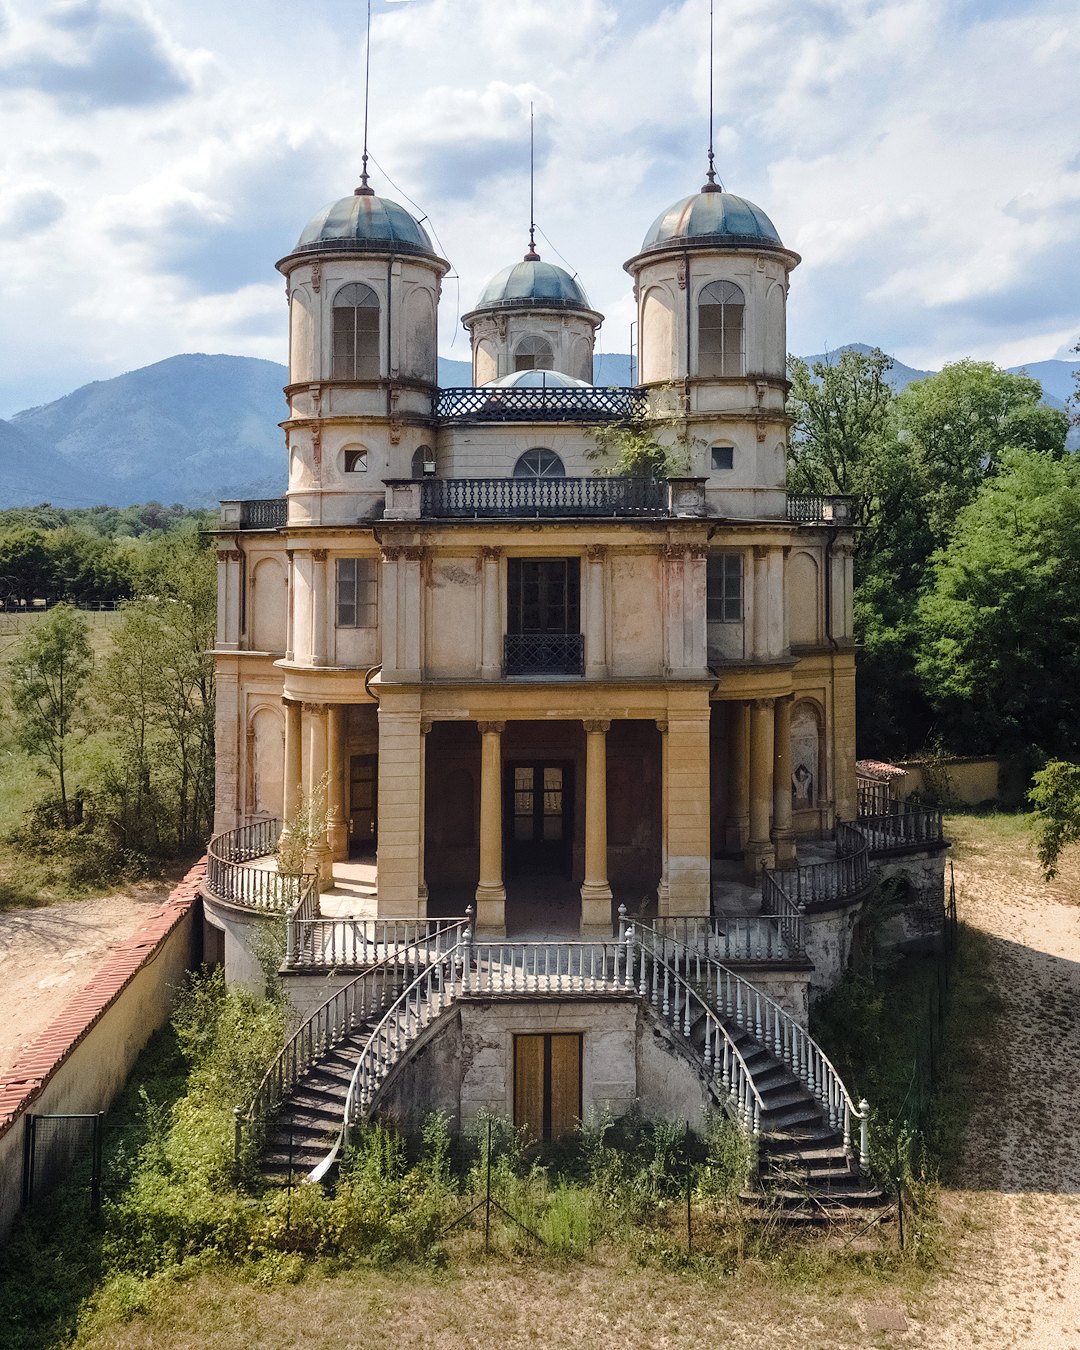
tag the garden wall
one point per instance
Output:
(82, 1059)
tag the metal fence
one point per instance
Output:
(540, 403)
(544, 654)
(473, 498)
(55, 1147)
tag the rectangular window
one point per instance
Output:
(723, 457)
(357, 593)
(547, 1084)
(724, 588)
(543, 595)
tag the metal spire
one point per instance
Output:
(711, 184)
(365, 190)
(532, 255)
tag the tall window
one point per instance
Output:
(539, 463)
(720, 329)
(357, 593)
(724, 601)
(356, 333)
(544, 595)
(534, 353)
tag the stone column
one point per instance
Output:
(491, 615)
(782, 833)
(399, 856)
(490, 892)
(761, 601)
(230, 582)
(595, 891)
(411, 613)
(294, 763)
(759, 849)
(290, 612)
(738, 830)
(337, 826)
(663, 890)
(318, 607)
(318, 856)
(776, 627)
(595, 614)
(388, 612)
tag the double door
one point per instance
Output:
(539, 817)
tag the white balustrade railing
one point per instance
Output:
(237, 871)
(771, 1026)
(775, 935)
(339, 944)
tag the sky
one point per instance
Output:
(158, 156)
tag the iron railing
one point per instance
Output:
(472, 498)
(775, 935)
(540, 403)
(314, 942)
(913, 828)
(264, 513)
(875, 797)
(812, 510)
(544, 654)
(834, 879)
(231, 877)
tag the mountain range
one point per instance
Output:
(195, 429)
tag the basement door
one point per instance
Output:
(363, 802)
(547, 1084)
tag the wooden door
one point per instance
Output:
(539, 817)
(547, 1083)
(363, 802)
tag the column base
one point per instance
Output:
(784, 847)
(319, 860)
(758, 855)
(491, 910)
(596, 910)
(663, 897)
(737, 832)
(337, 840)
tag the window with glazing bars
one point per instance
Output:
(356, 333)
(357, 593)
(720, 329)
(543, 595)
(724, 588)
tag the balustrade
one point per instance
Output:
(540, 403)
(909, 828)
(474, 498)
(264, 513)
(811, 510)
(230, 877)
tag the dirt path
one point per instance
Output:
(1015, 1279)
(48, 953)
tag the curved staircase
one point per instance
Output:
(756, 1062)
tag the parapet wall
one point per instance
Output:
(83, 1058)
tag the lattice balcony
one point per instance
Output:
(471, 498)
(544, 654)
(539, 404)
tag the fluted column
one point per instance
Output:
(294, 764)
(595, 891)
(490, 892)
(318, 608)
(318, 856)
(759, 847)
(782, 833)
(595, 614)
(491, 618)
(738, 829)
(337, 826)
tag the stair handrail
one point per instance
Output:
(772, 936)
(774, 1028)
(328, 1026)
(723, 1060)
(365, 1079)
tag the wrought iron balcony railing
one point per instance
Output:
(475, 497)
(264, 513)
(539, 404)
(544, 654)
(821, 510)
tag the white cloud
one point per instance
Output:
(162, 154)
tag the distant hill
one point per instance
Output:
(196, 428)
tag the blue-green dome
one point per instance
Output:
(533, 283)
(367, 224)
(537, 379)
(712, 219)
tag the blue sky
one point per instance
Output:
(158, 156)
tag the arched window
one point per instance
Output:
(355, 460)
(720, 329)
(539, 463)
(534, 353)
(423, 462)
(356, 333)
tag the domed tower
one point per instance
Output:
(711, 281)
(363, 285)
(532, 316)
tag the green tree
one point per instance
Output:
(1000, 622)
(25, 564)
(959, 423)
(1055, 798)
(655, 442)
(49, 672)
